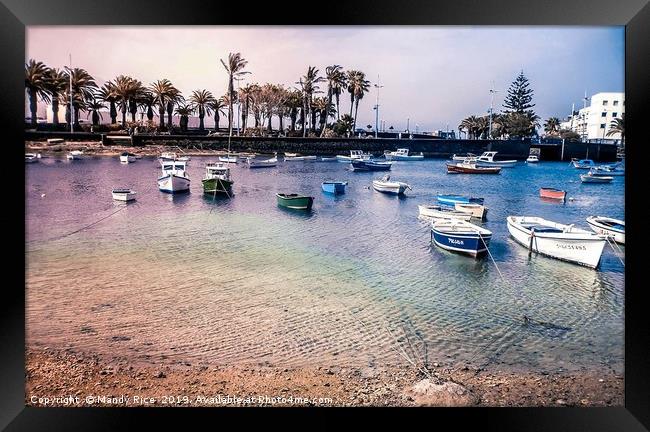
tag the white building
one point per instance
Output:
(593, 122)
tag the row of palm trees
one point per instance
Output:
(302, 105)
(503, 125)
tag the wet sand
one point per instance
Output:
(64, 378)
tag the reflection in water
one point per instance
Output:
(189, 277)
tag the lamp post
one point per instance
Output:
(377, 86)
(492, 91)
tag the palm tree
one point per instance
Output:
(146, 102)
(292, 103)
(184, 111)
(93, 107)
(55, 85)
(79, 104)
(344, 125)
(175, 98)
(161, 90)
(552, 126)
(234, 69)
(83, 88)
(471, 126)
(324, 109)
(217, 107)
(335, 82)
(108, 94)
(125, 90)
(35, 82)
(618, 126)
(309, 86)
(357, 87)
(202, 101)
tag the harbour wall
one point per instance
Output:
(436, 148)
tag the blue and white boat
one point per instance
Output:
(334, 187)
(583, 163)
(174, 176)
(451, 199)
(354, 155)
(460, 236)
(368, 165)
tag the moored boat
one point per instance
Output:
(589, 178)
(328, 159)
(583, 163)
(552, 193)
(390, 187)
(471, 156)
(442, 212)
(123, 194)
(217, 179)
(32, 157)
(262, 163)
(334, 187)
(451, 199)
(126, 157)
(368, 165)
(295, 201)
(174, 177)
(74, 155)
(402, 154)
(608, 226)
(297, 158)
(556, 240)
(460, 236)
(354, 155)
(532, 159)
(604, 170)
(487, 160)
(471, 168)
(228, 159)
(478, 211)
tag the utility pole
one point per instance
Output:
(238, 105)
(71, 105)
(492, 91)
(377, 86)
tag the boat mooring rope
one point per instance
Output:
(610, 241)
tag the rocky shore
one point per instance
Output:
(95, 148)
(65, 378)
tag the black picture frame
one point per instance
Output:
(633, 14)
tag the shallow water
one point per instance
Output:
(187, 278)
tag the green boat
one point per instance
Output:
(295, 201)
(217, 179)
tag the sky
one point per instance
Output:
(434, 76)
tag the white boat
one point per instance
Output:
(74, 155)
(173, 156)
(228, 159)
(127, 157)
(556, 240)
(262, 163)
(470, 156)
(174, 176)
(402, 154)
(487, 160)
(442, 212)
(124, 194)
(532, 159)
(32, 157)
(475, 210)
(354, 155)
(390, 187)
(328, 159)
(297, 158)
(605, 171)
(590, 178)
(608, 226)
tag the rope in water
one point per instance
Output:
(609, 241)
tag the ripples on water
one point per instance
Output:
(189, 278)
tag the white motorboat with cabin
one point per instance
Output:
(610, 227)
(390, 187)
(487, 160)
(532, 159)
(174, 176)
(402, 154)
(217, 179)
(556, 240)
(354, 155)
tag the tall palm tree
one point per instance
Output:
(184, 111)
(358, 86)
(125, 91)
(202, 101)
(93, 107)
(217, 106)
(552, 126)
(336, 82)
(234, 69)
(161, 90)
(309, 86)
(175, 98)
(83, 88)
(146, 101)
(324, 109)
(108, 93)
(35, 83)
(79, 105)
(339, 85)
(55, 85)
(292, 103)
(618, 126)
(471, 126)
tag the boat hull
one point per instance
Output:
(440, 212)
(262, 164)
(595, 179)
(403, 157)
(217, 185)
(500, 164)
(475, 210)
(465, 243)
(370, 166)
(392, 188)
(335, 188)
(580, 249)
(451, 200)
(172, 183)
(295, 202)
(469, 169)
(552, 193)
(124, 196)
(597, 226)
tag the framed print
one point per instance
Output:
(420, 206)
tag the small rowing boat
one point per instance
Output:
(451, 199)
(608, 226)
(589, 178)
(442, 212)
(123, 194)
(295, 201)
(334, 187)
(368, 165)
(552, 193)
(460, 236)
(478, 211)
(390, 187)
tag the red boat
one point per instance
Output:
(463, 168)
(552, 193)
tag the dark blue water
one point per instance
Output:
(175, 278)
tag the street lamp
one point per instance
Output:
(377, 86)
(492, 91)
